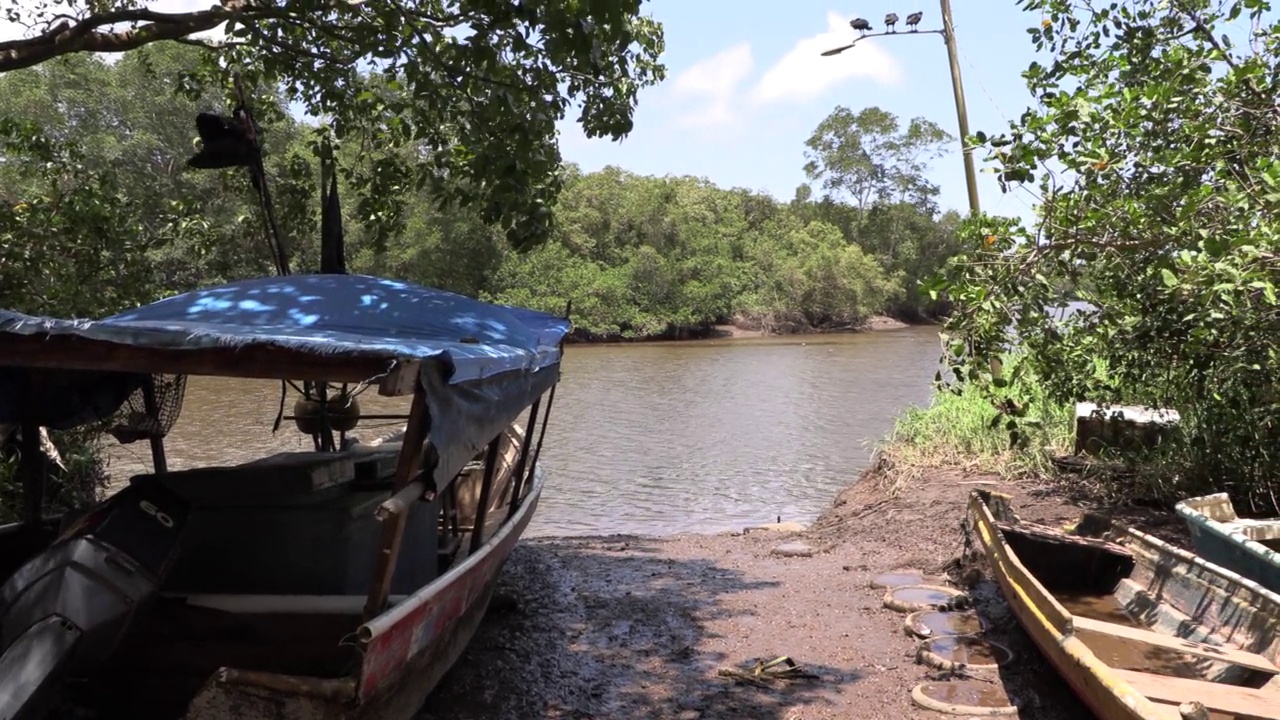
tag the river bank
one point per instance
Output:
(737, 331)
(637, 627)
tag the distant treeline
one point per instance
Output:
(98, 212)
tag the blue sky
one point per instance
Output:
(746, 86)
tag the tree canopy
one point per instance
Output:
(98, 212)
(869, 158)
(476, 87)
(1154, 145)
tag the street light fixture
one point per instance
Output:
(949, 37)
(890, 21)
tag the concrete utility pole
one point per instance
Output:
(962, 114)
(962, 111)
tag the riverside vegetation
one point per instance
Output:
(97, 213)
(91, 145)
(1153, 149)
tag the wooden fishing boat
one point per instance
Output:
(340, 583)
(1248, 547)
(1134, 625)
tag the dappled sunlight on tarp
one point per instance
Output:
(329, 316)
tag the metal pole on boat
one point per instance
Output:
(158, 463)
(486, 489)
(324, 438)
(517, 477)
(542, 434)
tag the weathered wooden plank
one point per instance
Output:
(411, 452)
(1148, 637)
(1029, 590)
(286, 473)
(1245, 702)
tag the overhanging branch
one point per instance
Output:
(101, 33)
(87, 34)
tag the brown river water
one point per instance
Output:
(648, 438)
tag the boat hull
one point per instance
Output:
(1220, 537)
(414, 644)
(1175, 629)
(1049, 627)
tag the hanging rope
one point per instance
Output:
(233, 142)
(258, 176)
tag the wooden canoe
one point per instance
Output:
(1248, 547)
(1134, 625)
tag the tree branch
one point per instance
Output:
(65, 38)
(210, 44)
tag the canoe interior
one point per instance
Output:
(1155, 618)
(274, 573)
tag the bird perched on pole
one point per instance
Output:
(862, 25)
(889, 21)
(913, 20)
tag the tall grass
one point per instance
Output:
(957, 430)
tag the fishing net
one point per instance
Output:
(132, 422)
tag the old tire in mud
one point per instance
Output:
(971, 698)
(954, 653)
(910, 598)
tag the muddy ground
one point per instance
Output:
(627, 627)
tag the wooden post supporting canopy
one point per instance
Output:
(33, 468)
(411, 452)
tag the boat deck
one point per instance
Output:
(1169, 670)
(1158, 641)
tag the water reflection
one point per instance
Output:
(659, 438)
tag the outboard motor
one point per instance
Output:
(63, 612)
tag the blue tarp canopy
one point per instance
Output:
(333, 317)
(342, 328)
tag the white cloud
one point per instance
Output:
(711, 86)
(804, 74)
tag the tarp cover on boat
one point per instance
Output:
(484, 362)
